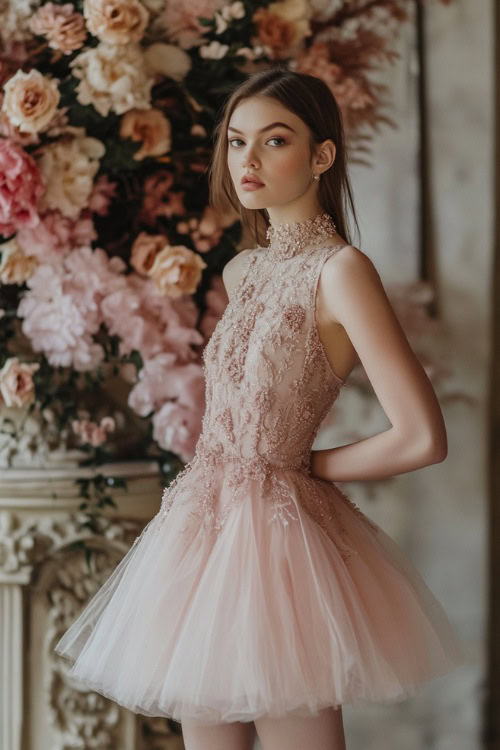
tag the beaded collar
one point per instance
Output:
(285, 240)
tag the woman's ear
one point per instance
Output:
(325, 154)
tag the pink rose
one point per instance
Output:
(16, 382)
(20, 188)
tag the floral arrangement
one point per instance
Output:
(110, 254)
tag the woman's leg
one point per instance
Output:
(237, 735)
(322, 732)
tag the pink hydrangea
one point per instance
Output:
(21, 188)
(55, 236)
(61, 308)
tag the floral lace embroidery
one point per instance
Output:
(269, 386)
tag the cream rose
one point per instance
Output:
(30, 100)
(15, 266)
(16, 382)
(116, 21)
(63, 27)
(177, 270)
(68, 168)
(113, 78)
(149, 126)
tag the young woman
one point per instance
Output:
(260, 599)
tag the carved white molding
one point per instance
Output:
(11, 661)
(25, 542)
(40, 528)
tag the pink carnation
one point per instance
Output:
(20, 188)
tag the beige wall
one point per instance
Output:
(437, 514)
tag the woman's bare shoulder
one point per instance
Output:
(231, 272)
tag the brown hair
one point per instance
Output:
(310, 99)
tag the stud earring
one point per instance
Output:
(316, 177)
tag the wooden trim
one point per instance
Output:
(427, 266)
(491, 735)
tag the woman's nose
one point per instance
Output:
(250, 159)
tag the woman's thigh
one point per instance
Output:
(322, 732)
(237, 735)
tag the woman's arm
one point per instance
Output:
(357, 300)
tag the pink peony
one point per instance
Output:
(176, 428)
(147, 321)
(163, 378)
(20, 188)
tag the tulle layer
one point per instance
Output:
(259, 619)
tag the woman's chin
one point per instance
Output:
(252, 200)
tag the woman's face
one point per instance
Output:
(277, 154)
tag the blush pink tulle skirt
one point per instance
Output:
(260, 619)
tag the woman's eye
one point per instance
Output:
(274, 138)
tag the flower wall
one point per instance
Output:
(110, 253)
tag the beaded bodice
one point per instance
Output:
(268, 382)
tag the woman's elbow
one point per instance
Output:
(435, 448)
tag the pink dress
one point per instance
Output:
(259, 589)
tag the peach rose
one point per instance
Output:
(16, 382)
(177, 270)
(30, 100)
(15, 266)
(283, 25)
(145, 249)
(149, 126)
(116, 21)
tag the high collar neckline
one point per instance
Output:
(287, 239)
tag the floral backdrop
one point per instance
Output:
(110, 254)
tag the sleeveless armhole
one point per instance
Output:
(329, 251)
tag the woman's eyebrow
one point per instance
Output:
(267, 127)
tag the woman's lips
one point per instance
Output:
(251, 185)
